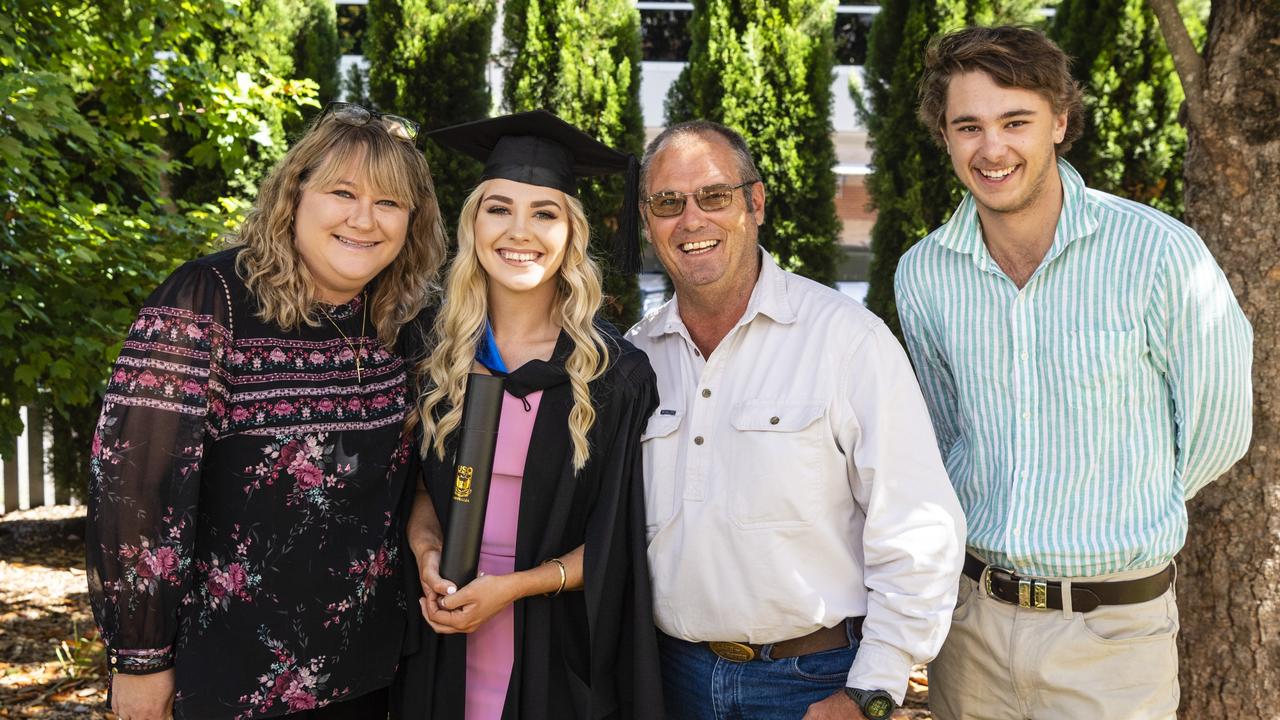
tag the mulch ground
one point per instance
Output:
(51, 660)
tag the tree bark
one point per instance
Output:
(1229, 571)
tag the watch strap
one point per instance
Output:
(874, 704)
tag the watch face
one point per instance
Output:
(878, 708)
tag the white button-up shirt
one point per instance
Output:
(792, 480)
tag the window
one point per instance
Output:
(664, 30)
(353, 20)
(853, 28)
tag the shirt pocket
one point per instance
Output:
(659, 444)
(1097, 367)
(775, 461)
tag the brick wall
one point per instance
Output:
(852, 209)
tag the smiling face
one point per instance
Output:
(346, 232)
(1001, 142)
(521, 232)
(705, 252)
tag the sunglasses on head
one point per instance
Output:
(670, 203)
(399, 127)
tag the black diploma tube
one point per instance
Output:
(473, 470)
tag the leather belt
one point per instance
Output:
(1029, 592)
(836, 636)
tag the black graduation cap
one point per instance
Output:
(538, 148)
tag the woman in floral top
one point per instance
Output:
(249, 467)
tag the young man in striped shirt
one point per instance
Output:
(1087, 370)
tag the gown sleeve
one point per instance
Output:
(162, 398)
(624, 651)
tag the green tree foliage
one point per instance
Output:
(427, 62)
(581, 60)
(252, 41)
(316, 48)
(1133, 142)
(764, 69)
(92, 92)
(911, 185)
(356, 85)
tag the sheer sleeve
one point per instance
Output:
(162, 398)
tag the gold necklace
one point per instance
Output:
(364, 314)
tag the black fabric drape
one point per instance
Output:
(589, 654)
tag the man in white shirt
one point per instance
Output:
(804, 539)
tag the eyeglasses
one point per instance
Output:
(670, 203)
(399, 127)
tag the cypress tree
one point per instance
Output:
(764, 69)
(912, 186)
(355, 85)
(427, 61)
(316, 48)
(581, 60)
(1133, 143)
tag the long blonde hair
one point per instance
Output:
(270, 264)
(461, 321)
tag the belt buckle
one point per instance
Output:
(1033, 593)
(732, 651)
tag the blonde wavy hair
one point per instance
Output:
(461, 320)
(270, 264)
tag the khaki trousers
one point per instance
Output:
(1003, 662)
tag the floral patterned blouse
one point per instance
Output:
(245, 501)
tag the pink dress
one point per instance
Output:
(490, 649)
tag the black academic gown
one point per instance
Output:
(590, 654)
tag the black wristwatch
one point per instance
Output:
(875, 704)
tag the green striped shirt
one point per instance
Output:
(1078, 414)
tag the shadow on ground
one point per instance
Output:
(51, 663)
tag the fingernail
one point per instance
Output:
(451, 590)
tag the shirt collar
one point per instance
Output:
(963, 232)
(768, 298)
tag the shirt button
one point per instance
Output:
(1025, 354)
(774, 420)
(706, 392)
(697, 352)
(1017, 532)
(697, 440)
(1023, 474)
(1026, 415)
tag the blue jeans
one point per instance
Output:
(700, 685)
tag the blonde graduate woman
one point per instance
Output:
(558, 625)
(248, 474)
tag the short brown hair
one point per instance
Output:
(1015, 57)
(702, 129)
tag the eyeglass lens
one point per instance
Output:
(401, 127)
(709, 198)
(351, 114)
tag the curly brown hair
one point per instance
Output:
(270, 264)
(1015, 57)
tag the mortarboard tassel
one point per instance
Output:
(626, 241)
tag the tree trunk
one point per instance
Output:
(1229, 572)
